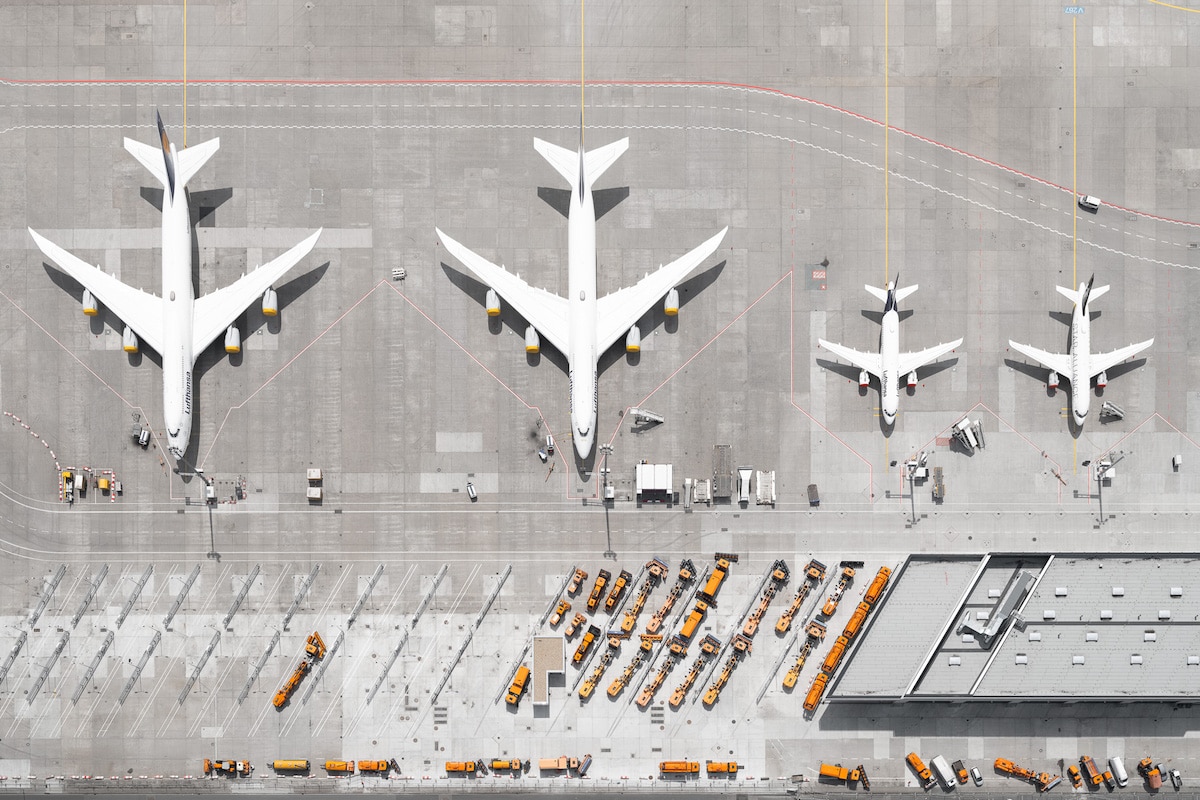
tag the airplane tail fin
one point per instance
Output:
(1086, 295)
(172, 168)
(581, 174)
(882, 294)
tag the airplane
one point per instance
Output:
(177, 325)
(1080, 365)
(889, 363)
(581, 326)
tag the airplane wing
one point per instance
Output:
(139, 310)
(616, 313)
(871, 362)
(1104, 361)
(912, 361)
(1059, 362)
(545, 311)
(217, 310)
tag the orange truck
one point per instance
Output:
(918, 766)
(679, 767)
(518, 686)
(813, 699)
(721, 767)
(598, 589)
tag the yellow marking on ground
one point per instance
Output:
(185, 73)
(581, 73)
(886, 129)
(1074, 159)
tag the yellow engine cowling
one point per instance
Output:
(90, 306)
(129, 340)
(633, 340)
(532, 343)
(493, 303)
(233, 340)
(270, 303)
(671, 304)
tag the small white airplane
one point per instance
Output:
(581, 326)
(178, 326)
(1080, 365)
(889, 363)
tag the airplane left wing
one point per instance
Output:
(217, 310)
(139, 310)
(871, 362)
(1057, 362)
(912, 361)
(1100, 362)
(546, 312)
(616, 313)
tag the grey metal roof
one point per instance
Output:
(1093, 627)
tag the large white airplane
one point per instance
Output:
(889, 363)
(1080, 365)
(177, 325)
(580, 325)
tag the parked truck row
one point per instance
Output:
(834, 657)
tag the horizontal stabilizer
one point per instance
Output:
(1076, 297)
(595, 162)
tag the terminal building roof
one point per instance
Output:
(1016, 627)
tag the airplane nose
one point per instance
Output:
(889, 418)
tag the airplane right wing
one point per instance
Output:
(616, 313)
(913, 361)
(1058, 362)
(871, 362)
(139, 310)
(1105, 361)
(216, 311)
(546, 312)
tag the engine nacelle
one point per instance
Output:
(1102, 380)
(532, 343)
(233, 340)
(493, 303)
(90, 306)
(129, 340)
(864, 379)
(270, 304)
(1052, 381)
(671, 304)
(912, 379)
(633, 340)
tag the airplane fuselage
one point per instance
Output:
(178, 302)
(1080, 356)
(889, 357)
(581, 343)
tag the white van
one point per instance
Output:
(1089, 203)
(1118, 771)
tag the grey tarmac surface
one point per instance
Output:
(376, 121)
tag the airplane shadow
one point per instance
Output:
(877, 316)
(202, 203)
(603, 200)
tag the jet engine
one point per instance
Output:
(90, 306)
(270, 304)
(532, 343)
(233, 339)
(493, 303)
(633, 340)
(1052, 381)
(671, 304)
(1102, 380)
(864, 379)
(129, 340)
(912, 379)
